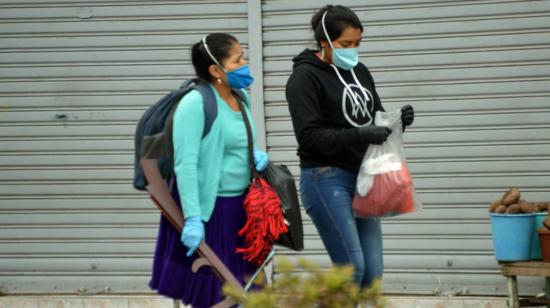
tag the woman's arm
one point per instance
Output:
(303, 99)
(188, 128)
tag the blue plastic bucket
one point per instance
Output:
(536, 253)
(512, 234)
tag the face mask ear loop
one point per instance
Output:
(325, 29)
(210, 54)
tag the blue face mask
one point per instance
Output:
(344, 58)
(240, 78)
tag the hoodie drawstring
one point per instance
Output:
(353, 97)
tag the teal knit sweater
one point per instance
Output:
(200, 163)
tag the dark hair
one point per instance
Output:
(338, 19)
(219, 45)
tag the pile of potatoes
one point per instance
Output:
(511, 203)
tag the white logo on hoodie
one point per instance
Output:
(357, 101)
(357, 105)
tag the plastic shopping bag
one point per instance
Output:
(384, 184)
(280, 178)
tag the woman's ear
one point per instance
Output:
(324, 44)
(326, 52)
(215, 71)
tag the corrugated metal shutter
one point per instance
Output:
(74, 78)
(477, 73)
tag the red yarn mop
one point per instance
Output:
(264, 223)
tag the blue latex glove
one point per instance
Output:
(261, 160)
(193, 234)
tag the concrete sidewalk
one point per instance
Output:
(152, 301)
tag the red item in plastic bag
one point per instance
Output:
(392, 193)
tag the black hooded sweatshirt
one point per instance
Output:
(324, 113)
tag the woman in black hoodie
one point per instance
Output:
(332, 100)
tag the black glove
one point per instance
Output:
(373, 134)
(407, 115)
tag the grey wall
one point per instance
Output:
(74, 78)
(76, 75)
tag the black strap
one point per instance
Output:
(253, 172)
(210, 106)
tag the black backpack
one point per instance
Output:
(153, 137)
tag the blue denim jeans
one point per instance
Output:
(327, 194)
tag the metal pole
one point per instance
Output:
(255, 51)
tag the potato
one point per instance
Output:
(541, 207)
(513, 209)
(526, 207)
(501, 209)
(494, 206)
(511, 196)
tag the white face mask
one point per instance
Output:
(347, 59)
(344, 58)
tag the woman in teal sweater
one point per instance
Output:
(212, 176)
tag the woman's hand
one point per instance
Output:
(373, 134)
(407, 115)
(260, 160)
(193, 234)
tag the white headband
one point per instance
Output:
(209, 53)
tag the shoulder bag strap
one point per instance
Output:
(253, 172)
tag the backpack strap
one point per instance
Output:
(210, 106)
(189, 82)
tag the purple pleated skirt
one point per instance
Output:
(172, 275)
